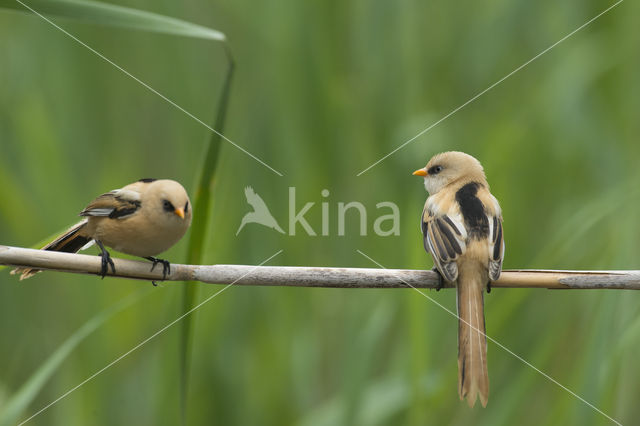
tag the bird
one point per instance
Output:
(461, 225)
(260, 213)
(142, 219)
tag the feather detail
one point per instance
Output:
(116, 204)
(445, 242)
(473, 376)
(70, 241)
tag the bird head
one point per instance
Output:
(172, 200)
(450, 167)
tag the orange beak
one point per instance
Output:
(179, 212)
(420, 172)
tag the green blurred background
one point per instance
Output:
(321, 91)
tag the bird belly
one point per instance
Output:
(128, 237)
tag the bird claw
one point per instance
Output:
(106, 261)
(166, 267)
(489, 287)
(440, 285)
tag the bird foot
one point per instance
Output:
(106, 261)
(489, 287)
(166, 267)
(440, 285)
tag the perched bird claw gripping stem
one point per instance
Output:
(440, 285)
(106, 260)
(166, 266)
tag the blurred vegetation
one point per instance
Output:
(321, 91)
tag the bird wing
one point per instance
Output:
(116, 204)
(255, 200)
(445, 239)
(496, 247)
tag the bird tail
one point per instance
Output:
(70, 241)
(473, 377)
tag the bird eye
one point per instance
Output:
(435, 170)
(186, 207)
(167, 206)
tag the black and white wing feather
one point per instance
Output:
(117, 204)
(445, 239)
(496, 248)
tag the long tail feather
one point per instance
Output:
(473, 377)
(70, 241)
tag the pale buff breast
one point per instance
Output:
(135, 236)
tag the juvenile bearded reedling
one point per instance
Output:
(462, 228)
(143, 219)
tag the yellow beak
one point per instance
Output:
(420, 172)
(179, 212)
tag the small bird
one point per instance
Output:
(462, 230)
(260, 213)
(143, 219)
